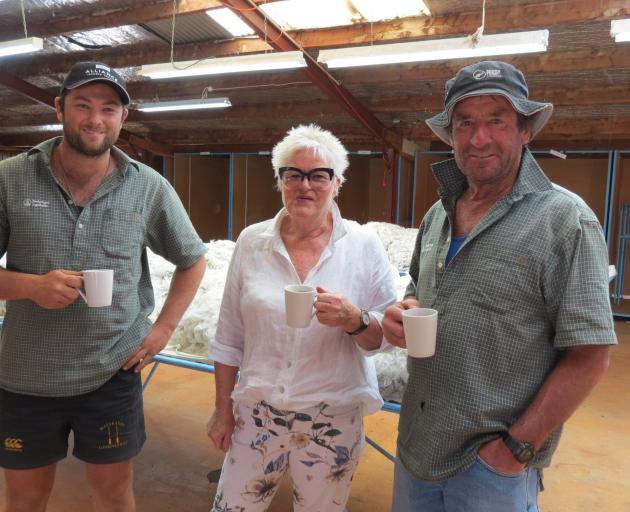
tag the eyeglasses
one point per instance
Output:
(319, 178)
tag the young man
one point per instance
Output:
(517, 268)
(75, 203)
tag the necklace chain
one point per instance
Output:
(66, 182)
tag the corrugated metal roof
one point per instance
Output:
(191, 28)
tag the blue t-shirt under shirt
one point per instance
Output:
(456, 243)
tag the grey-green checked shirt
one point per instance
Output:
(530, 280)
(74, 350)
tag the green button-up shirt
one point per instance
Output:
(530, 280)
(74, 350)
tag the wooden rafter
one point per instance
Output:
(519, 17)
(78, 20)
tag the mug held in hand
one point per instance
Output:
(98, 288)
(420, 326)
(299, 302)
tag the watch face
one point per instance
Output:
(365, 318)
(526, 453)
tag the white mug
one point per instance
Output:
(299, 300)
(420, 326)
(98, 288)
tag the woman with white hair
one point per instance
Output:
(302, 393)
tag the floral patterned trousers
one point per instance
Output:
(320, 447)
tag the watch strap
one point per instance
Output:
(363, 325)
(523, 451)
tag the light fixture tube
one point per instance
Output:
(29, 44)
(620, 30)
(439, 49)
(166, 106)
(221, 65)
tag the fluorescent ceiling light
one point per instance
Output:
(620, 30)
(306, 14)
(230, 22)
(237, 64)
(166, 106)
(29, 44)
(439, 49)
(377, 10)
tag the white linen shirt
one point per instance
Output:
(293, 368)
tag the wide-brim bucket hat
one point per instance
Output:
(489, 77)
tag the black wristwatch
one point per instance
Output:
(365, 322)
(522, 451)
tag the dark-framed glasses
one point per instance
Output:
(319, 178)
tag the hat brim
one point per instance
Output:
(539, 112)
(124, 95)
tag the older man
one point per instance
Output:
(517, 269)
(70, 204)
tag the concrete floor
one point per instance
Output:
(590, 471)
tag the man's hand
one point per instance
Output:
(498, 456)
(57, 289)
(220, 428)
(155, 341)
(392, 321)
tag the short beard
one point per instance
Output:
(75, 142)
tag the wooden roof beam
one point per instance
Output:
(79, 20)
(523, 17)
(267, 29)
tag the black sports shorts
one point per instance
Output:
(107, 424)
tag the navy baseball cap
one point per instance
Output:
(85, 72)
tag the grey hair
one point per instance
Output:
(322, 142)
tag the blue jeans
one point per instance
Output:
(477, 489)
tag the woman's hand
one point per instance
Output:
(335, 310)
(220, 428)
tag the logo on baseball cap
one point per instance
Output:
(85, 72)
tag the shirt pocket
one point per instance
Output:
(502, 283)
(121, 233)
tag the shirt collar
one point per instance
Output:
(46, 148)
(531, 178)
(339, 230)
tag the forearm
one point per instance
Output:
(566, 387)
(17, 285)
(181, 292)
(224, 382)
(372, 337)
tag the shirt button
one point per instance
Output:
(80, 226)
(440, 265)
(289, 364)
(69, 201)
(281, 388)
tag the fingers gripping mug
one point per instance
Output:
(420, 326)
(299, 301)
(98, 288)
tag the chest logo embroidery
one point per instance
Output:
(427, 247)
(36, 203)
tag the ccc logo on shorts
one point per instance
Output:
(14, 444)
